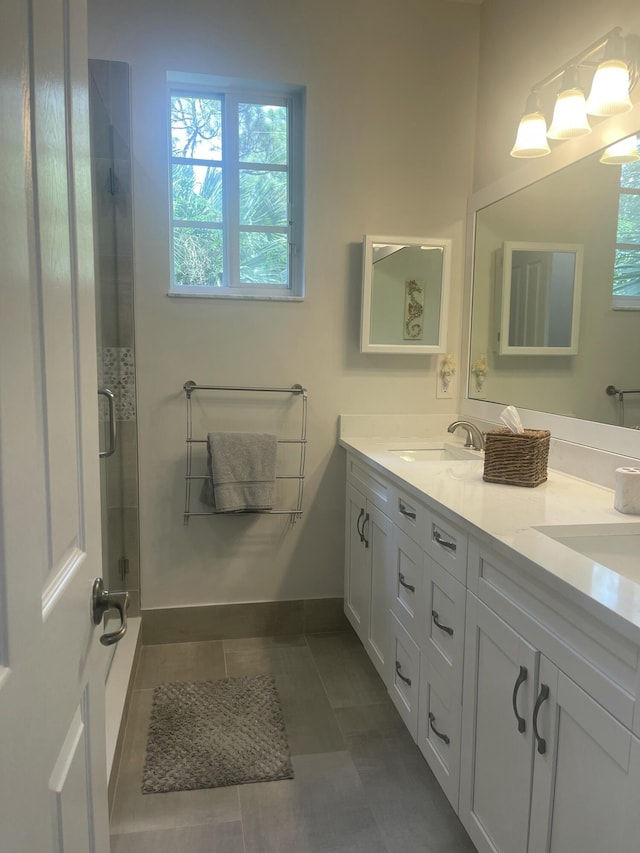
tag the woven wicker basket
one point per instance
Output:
(517, 459)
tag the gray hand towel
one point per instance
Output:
(242, 468)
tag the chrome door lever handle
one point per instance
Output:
(105, 392)
(103, 600)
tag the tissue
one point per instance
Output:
(627, 497)
(511, 418)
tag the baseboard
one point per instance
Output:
(233, 621)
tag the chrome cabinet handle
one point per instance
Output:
(103, 600)
(403, 583)
(522, 677)
(432, 721)
(360, 533)
(399, 672)
(105, 392)
(437, 623)
(408, 513)
(542, 697)
(364, 538)
(444, 542)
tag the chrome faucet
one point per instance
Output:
(474, 436)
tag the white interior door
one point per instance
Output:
(52, 761)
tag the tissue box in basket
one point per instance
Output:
(517, 459)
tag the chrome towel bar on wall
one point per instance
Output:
(190, 387)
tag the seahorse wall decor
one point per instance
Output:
(413, 310)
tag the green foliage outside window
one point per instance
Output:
(200, 155)
(626, 271)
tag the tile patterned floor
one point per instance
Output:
(361, 784)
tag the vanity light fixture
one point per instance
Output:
(531, 139)
(570, 112)
(611, 83)
(623, 151)
(613, 64)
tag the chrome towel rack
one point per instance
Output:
(612, 391)
(190, 387)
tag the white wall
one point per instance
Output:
(390, 132)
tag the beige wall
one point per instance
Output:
(390, 128)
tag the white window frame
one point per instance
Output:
(233, 91)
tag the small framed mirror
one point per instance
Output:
(405, 294)
(540, 286)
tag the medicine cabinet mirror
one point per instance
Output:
(540, 287)
(405, 294)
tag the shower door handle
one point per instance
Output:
(112, 423)
(103, 600)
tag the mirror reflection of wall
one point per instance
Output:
(394, 269)
(578, 204)
(405, 289)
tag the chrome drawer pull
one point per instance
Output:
(364, 538)
(444, 542)
(403, 677)
(432, 720)
(404, 583)
(408, 513)
(445, 628)
(360, 533)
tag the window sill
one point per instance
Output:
(242, 296)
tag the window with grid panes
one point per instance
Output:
(626, 270)
(237, 161)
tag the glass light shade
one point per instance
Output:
(624, 151)
(569, 115)
(531, 139)
(609, 94)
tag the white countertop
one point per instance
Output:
(510, 514)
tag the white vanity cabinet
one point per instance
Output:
(522, 694)
(545, 767)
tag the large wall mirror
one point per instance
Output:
(405, 294)
(578, 206)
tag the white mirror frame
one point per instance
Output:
(614, 439)
(366, 345)
(509, 247)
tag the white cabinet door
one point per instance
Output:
(378, 541)
(357, 574)
(366, 580)
(497, 741)
(52, 742)
(586, 781)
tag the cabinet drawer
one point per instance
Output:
(407, 574)
(409, 515)
(404, 675)
(439, 730)
(372, 485)
(447, 544)
(443, 639)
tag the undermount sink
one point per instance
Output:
(615, 546)
(435, 454)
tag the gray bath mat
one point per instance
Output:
(207, 734)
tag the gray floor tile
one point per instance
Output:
(310, 723)
(379, 718)
(220, 838)
(322, 810)
(134, 811)
(348, 675)
(416, 817)
(180, 662)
